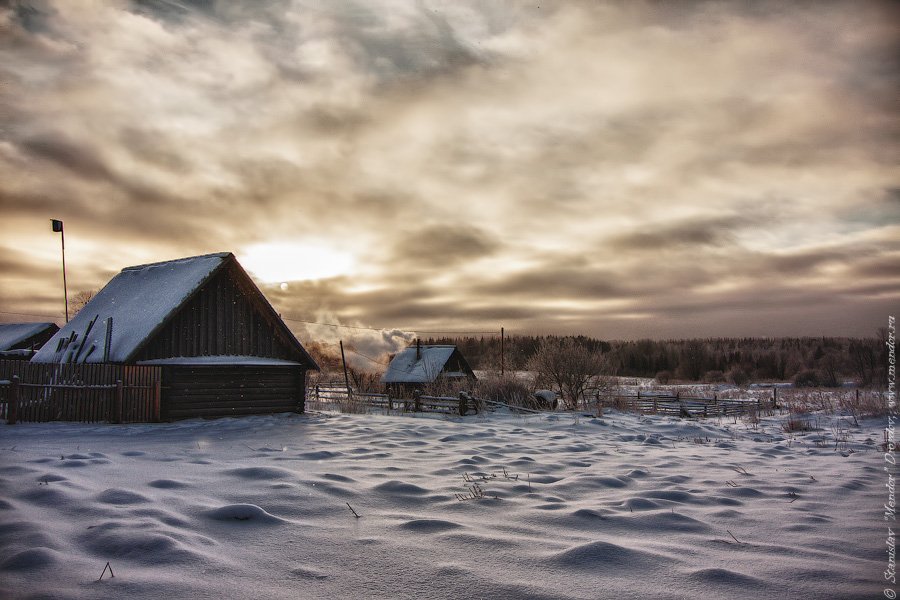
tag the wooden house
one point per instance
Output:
(19, 341)
(418, 366)
(221, 347)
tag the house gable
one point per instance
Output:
(197, 306)
(425, 364)
(226, 316)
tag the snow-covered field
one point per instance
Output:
(575, 507)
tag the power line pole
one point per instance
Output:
(501, 352)
(58, 228)
(346, 377)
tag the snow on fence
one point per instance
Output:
(88, 393)
(336, 396)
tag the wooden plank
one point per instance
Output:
(219, 412)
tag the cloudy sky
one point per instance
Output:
(623, 169)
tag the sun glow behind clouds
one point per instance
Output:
(274, 262)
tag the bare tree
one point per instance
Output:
(80, 300)
(569, 367)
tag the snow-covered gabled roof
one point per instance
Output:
(406, 368)
(138, 300)
(13, 335)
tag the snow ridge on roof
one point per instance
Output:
(137, 300)
(405, 368)
(222, 255)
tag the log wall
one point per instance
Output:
(231, 390)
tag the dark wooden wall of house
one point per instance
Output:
(453, 365)
(219, 320)
(231, 390)
(37, 340)
(456, 364)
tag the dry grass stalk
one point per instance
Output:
(107, 567)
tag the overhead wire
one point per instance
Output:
(359, 327)
(337, 325)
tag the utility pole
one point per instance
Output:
(346, 377)
(502, 335)
(58, 228)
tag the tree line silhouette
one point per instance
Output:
(806, 361)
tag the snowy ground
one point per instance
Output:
(623, 507)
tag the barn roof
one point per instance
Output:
(406, 368)
(139, 301)
(13, 335)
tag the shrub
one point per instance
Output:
(571, 368)
(792, 425)
(714, 377)
(806, 378)
(507, 390)
(738, 376)
(663, 377)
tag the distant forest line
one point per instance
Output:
(807, 361)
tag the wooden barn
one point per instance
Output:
(19, 341)
(221, 347)
(417, 366)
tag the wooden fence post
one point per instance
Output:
(417, 402)
(774, 398)
(463, 404)
(117, 402)
(12, 409)
(157, 395)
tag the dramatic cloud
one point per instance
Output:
(621, 169)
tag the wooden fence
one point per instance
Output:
(87, 393)
(338, 396)
(687, 406)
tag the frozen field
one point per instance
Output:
(620, 507)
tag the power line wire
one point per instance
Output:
(448, 332)
(294, 320)
(338, 325)
(368, 358)
(6, 312)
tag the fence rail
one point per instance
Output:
(337, 395)
(88, 393)
(686, 406)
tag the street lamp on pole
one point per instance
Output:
(58, 228)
